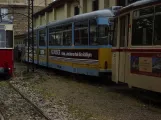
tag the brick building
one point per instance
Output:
(15, 9)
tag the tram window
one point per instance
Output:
(61, 35)
(157, 26)
(67, 35)
(114, 41)
(51, 36)
(67, 38)
(147, 11)
(51, 39)
(42, 38)
(142, 31)
(35, 40)
(103, 35)
(122, 31)
(56, 38)
(93, 32)
(9, 39)
(2, 38)
(81, 33)
(143, 27)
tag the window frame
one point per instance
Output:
(115, 33)
(12, 46)
(3, 38)
(83, 28)
(61, 31)
(156, 13)
(97, 27)
(135, 16)
(45, 36)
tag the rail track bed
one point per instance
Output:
(15, 106)
(60, 97)
(1, 116)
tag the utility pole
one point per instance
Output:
(0, 16)
(30, 36)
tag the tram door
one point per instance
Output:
(123, 45)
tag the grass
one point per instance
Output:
(77, 112)
(3, 84)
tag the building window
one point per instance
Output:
(125, 2)
(76, 10)
(4, 11)
(95, 5)
(131, 1)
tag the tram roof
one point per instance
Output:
(139, 4)
(86, 16)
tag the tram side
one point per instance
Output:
(81, 44)
(136, 57)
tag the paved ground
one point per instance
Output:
(65, 98)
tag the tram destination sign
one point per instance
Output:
(75, 53)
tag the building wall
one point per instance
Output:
(60, 13)
(42, 3)
(50, 16)
(43, 20)
(66, 10)
(89, 5)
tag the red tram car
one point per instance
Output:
(6, 48)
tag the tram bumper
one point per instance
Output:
(105, 72)
(4, 71)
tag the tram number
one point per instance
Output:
(55, 52)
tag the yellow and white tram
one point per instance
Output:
(136, 53)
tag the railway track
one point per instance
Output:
(1, 116)
(28, 101)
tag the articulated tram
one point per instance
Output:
(81, 44)
(136, 54)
